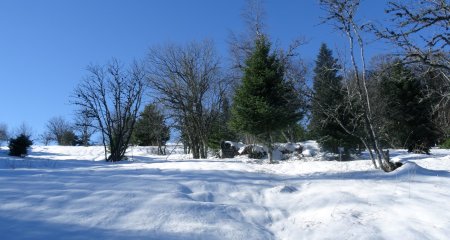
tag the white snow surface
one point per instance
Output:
(71, 193)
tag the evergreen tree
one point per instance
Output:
(265, 102)
(151, 129)
(69, 138)
(327, 107)
(18, 146)
(406, 114)
(221, 130)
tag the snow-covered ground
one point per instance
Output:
(70, 193)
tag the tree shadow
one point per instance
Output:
(18, 228)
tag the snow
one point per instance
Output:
(310, 148)
(71, 193)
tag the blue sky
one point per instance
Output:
(46, 45)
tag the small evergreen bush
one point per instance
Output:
(18, 146)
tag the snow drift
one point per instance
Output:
(71, 193)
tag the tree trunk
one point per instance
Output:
(203, 150)
(270, 150)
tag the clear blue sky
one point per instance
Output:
(46, 45)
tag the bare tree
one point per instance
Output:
(112, 96)
(341, 13)
(24, 129)
(187, 80)
(85, 126)
(3, 133)
(243, 44)
(45, 138)
(57, 129)
(421, 30)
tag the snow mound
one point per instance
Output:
(288, 189)
(412, 168)
(289, 147)
(237, 145)
(310, 148)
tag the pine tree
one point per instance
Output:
(18, 146)
(406, 114)
(327, 105)
(151, 129)
(265, 102)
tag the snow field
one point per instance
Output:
(70, 193)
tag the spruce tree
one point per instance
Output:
(327, 107)
(265, 102)
(151, 129)
(18, 146)
(406, 114)
(220, 128)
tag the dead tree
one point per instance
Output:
(187, 80)
(112, 96)
(341, 13)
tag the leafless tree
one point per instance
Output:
(57, 128)
(85, 126)
(421, 29)
(341, 13)
(24, 129)
(187, 80)
(242, 44)
(112, 96)
(3, 133)
(45, 138)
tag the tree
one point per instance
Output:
(327, 107)
(112, 96)
(45, 138)
(342, 13)
(61, 131)
(407, 119)
(24, 129)
(18, 146)
(438, 92)
(151, 129)
(187, 80)
(221, 130)
(3, 133)
(242, 45)
(265, 102)
(421, 30)
(85, 126)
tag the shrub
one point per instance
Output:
(446, 144)
(18, 146)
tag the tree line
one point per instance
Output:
(396, 100)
